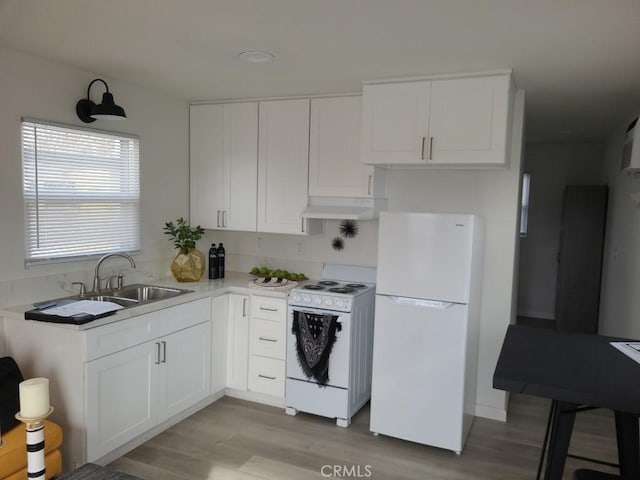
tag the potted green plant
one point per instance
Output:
(189, 263)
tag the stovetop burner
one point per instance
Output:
(328, 283)
(342, 290)
(313, 287)
(355, 285)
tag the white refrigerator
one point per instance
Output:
(425, 347)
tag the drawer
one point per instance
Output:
(266, 375)
(267, 338)
(182, 316)
(117, 336)
(269, 308)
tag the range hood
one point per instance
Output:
(342, 208)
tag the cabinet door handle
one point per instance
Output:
(369, 185)
(268, 309)
(244, 307)
(157, 353)
(302, 225)
(430, 148)
(218, 218)
(224, 218)
(266, 339)
(164, 352)
(266, 376)
(424, 139)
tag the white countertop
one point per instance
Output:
(234, 282)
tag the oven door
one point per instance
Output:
(339, 357)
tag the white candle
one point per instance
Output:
(34, 398)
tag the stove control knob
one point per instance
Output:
(296, 297)
(328, 302)
(306, 299)
(339, 303)
(317, 300)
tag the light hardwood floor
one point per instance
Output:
(239, 440)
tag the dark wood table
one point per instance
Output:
(574, 369)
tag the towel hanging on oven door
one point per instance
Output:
(315, 336)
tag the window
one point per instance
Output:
(524, 206)
(81, 192)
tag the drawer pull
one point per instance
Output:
(265, 339)
(268, 309)
(158, 353)
(164, 352)
(266, 376)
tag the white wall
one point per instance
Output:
(492, 194)
(620, 300)
(296, 253)
(37, 88)
(552, 166)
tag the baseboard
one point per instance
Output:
(492, 413)
(534, 314)
(255, 397)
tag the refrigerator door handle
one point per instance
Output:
(418, 302)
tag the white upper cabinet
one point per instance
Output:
(335, 169)
(205, 164)
(443, 122)
(224, 155)
(469, 121)
(395, 122)
(283, 166)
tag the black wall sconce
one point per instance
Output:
(107, 110)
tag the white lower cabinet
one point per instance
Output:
(132, 390)
(256, 346)
(267, 345)
(219, 329)
(184, 370)
(238, 341)
(121, 398)
(111, 384)
(266, 375)
(117, 384)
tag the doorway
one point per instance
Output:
(552, 168)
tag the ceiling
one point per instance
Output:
(578, 60)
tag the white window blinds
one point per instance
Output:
(524, 205)
(81, 192)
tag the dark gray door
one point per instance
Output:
(584, 211)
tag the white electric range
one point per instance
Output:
(344, 299)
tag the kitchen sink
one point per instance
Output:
(129, 296)
(147, 293)
(125, 302)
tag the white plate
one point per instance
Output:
(270, 282)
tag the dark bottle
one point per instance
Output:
(221, 261)
(214, 270)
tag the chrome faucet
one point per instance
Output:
(96, 276)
